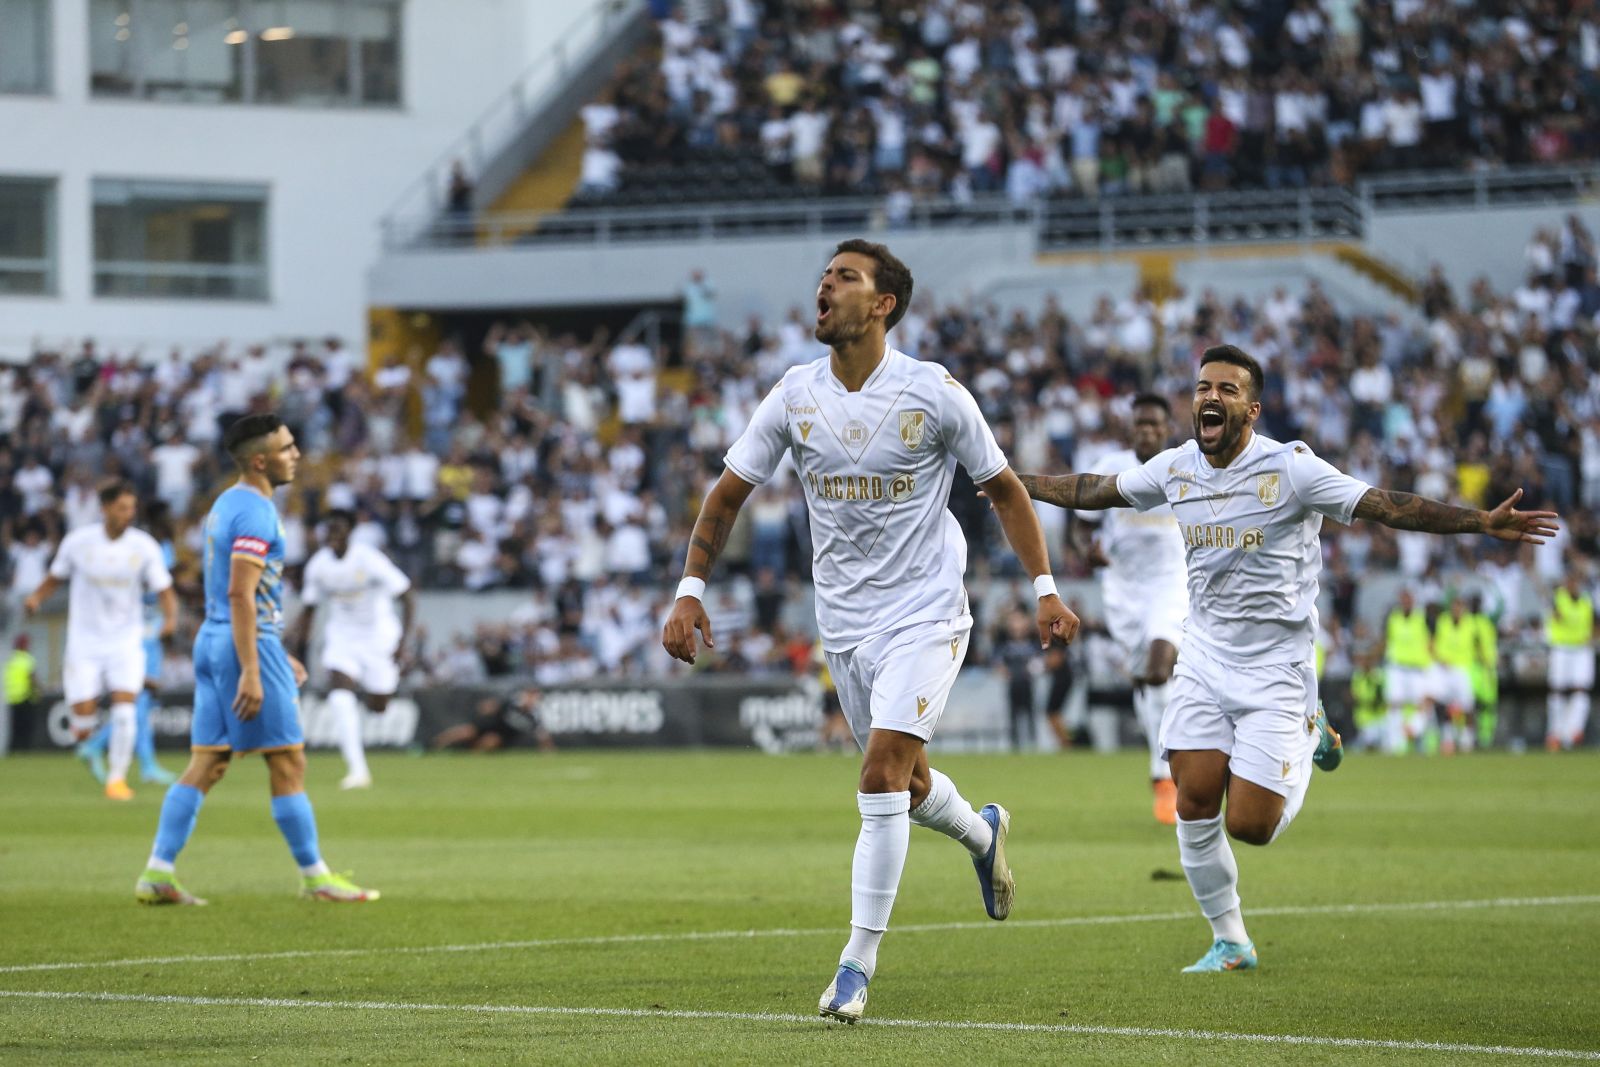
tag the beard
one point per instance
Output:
(838, 330)
(1232, 430)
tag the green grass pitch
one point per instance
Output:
(574, 881)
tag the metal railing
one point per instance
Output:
(504, 119)
(1063, 224)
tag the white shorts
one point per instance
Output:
(900, 680)
(1137, 626)
(370, 663)
(105, 671)
(1404, 685)
(1452, 687)
(1571, 667)
(1260, 716)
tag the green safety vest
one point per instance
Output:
(1366, 692)
(19, 677)
(1487, 646)
(1406, 638)
(1453, 641)
(1572, 622)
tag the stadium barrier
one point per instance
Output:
(774, 715)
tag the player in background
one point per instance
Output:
(1485, 670)
(1569, 630)
(245, 684)
(1144, 585)
(1243, 723)
(1408, 662)
(110, 566)
(361, 636)
(1366, 699)
(1454, 639)
(158, 521)
(875, 437)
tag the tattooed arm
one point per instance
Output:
(1407, 511)
(706, 543)
(1085, 492)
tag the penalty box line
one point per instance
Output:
(748, 934)
(666, 1014)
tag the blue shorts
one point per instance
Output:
(152, 660)
(216, 727)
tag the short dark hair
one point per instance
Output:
(115, 489)
(889, 276)
(1152, 400)
(1238, 357)
(246, 431)
(344, 515)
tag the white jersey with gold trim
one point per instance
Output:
(1250, 531)
(359, 589)
(108, 581)
(876, 467)
(1145, 548)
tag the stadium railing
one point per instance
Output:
(1060, 224)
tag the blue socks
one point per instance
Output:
(299, 827)
(178, 813)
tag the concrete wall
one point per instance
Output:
(331, 173)
(1469, 242)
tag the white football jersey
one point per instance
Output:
(105, 600)
(1145, 548)
(359, 589)
(1251, 534)
(876, 466)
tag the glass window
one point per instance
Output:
(329, 53)
(180, 239)
(25, 46)
(27, 236)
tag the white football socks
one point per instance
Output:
(947, 811)
(346, 712)
(119, 753)
(1149, 705)
(1577, 716)
(1213, 875)
(875, 874)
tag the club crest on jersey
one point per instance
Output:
(805, 432)
(1267, 489)
(912, 424)
(855, 434)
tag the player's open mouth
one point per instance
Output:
(822, 309)
(1212, 420)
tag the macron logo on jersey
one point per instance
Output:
(250, 546)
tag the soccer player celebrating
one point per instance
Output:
(1144, 588)
(245, 697)
(875, 436)
(1243, 723)
(361, 636)
(110, 565)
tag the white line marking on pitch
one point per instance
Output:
(740, 935)
(812, 1020)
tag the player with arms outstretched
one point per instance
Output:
(875, 437)
(245, 685)
(361, 637)
(1243, 723)
(1144, 585)
(110, 566)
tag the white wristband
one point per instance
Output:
(695, 587)
(1044, 585)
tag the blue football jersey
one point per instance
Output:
(152, 601)
(242, 522)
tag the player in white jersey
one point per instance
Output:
(361, 635)
(875, 436)
(110, 566)
(1144, 585)
(1244, 723)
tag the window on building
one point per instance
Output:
(180, 239)
(25, 46)
(327, 53)
(27, 236)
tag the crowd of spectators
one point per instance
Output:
(578, 475)
(924, 98)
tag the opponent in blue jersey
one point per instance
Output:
(246, 692)
(158, 523)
